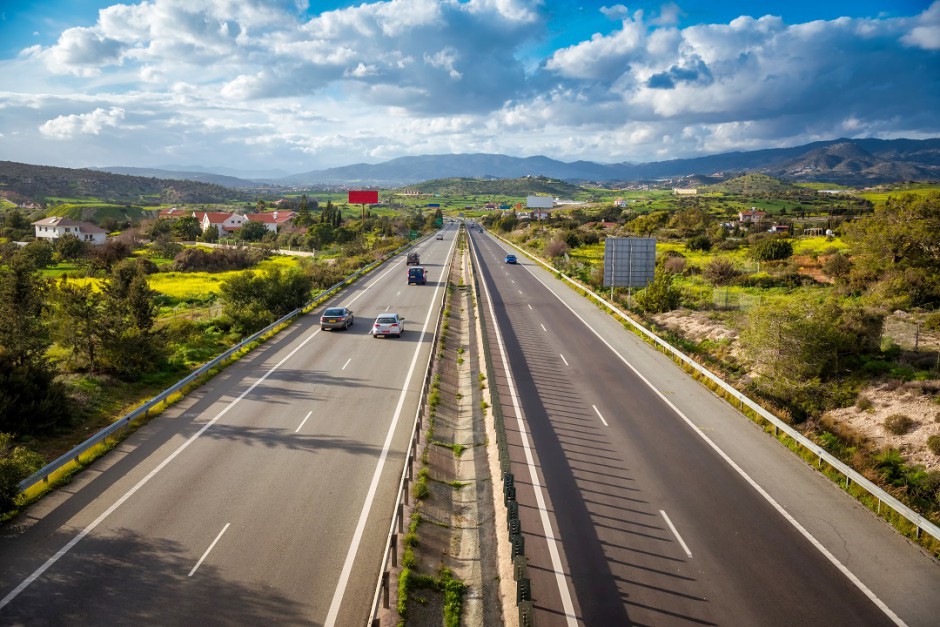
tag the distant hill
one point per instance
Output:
(506, 187)
(45, 184)
(201, 177)
(847, 161)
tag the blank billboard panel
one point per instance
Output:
(629, 261)
(363, 197)
(539, 202)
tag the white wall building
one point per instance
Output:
(55, 227)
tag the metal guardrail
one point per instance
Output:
(851, 475)
(383, 587)
(46, 471)
(513, 523)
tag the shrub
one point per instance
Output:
(16, 463)
(555, 248)
(898, 424)
(933, 443)
(863, 403)
(699, 242)
(771, 249)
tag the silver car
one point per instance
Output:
(336, 318)
(388, 324)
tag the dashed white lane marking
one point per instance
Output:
(598, 412)
(675, 532)
(211, 546)
(303, 422)
(543, 327)
(563, 359)
(346, 364)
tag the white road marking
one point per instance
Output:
(373, 487)
(783, 512)
(563, 359)
(598, 412)
(530, 306)
(140, 484)
(520, 292)
(550, 537)
(387, 308)
(211, 546)
(303, 422)
(346, 364)
(675, 532)
(543, 327)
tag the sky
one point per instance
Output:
(257, 86)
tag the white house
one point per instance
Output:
(55, 227)
(272, 220)
(225, 222)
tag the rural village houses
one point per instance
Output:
(54, 227)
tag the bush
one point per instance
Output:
(771, 249)
(933, 443)
(898, 424)
(16, 463)
(863, 403)
(555, 248)
(699, 242)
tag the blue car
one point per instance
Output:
(510, 259)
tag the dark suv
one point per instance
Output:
(413, 259)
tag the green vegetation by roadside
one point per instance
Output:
(805, 324)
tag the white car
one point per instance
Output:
(388, 324)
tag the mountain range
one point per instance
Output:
(854, 162)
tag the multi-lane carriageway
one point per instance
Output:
(647, 500)
(266, 496)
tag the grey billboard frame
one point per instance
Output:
(629, 261)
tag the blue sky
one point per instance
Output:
(260, 85)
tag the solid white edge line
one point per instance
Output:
(97, 521)
(340, 590)
(598, 412)
(564, 360)
(675, 532)
(303, 422)
(550, 537)
(211, 546)
(783, 512)
(94, 524)
(346, 364)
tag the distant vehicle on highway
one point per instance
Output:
(417, 275)
(388, 324)
(439, 236)
(413, 259)
(510, 259)
(336, 318)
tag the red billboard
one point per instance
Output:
(363, 197)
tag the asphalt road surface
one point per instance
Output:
(264, 497)
(646, 500)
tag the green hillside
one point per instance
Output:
(520, 187)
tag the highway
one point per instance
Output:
(264, 497)
(645, 499)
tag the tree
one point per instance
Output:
(253, 300)
(40, 253)
(720, 272)
(899, 246)
(187, 228)
(31, 400)
(691, 221)
(69, 248)
(659, 296)
(76, 322)
(252, 232)
(837, 267)
(211, 234)
(771, 249)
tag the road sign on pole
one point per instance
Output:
(629, 261)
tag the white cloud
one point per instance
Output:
(196, 79)
(70, 126)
